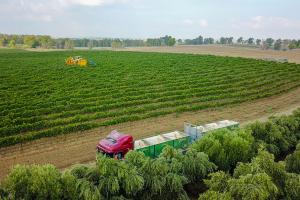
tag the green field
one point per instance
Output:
(41, 97)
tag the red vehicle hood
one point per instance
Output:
(106, 146)
(111, 144)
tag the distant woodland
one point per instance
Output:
(48, 42)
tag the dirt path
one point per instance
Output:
(67, 150)
(292, 55)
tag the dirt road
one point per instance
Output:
(292, 55)
(64, 151)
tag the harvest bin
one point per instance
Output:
(153, 146)
(196, 132)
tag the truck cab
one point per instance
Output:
(116, 144)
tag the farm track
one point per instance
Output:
(220, 50)
(66, 150)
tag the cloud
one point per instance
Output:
(201, 22)
(46, 10)
(91, 2)
(188, 22)
(265, 22)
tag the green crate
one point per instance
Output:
(155, 150)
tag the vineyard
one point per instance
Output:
(41, 97)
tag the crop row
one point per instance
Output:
(41, 97)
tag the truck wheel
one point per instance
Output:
(119, 155)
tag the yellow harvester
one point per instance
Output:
(77, 60)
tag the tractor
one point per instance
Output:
(78, 60)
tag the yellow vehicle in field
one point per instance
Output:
(78, 60)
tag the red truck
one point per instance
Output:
(116, 144)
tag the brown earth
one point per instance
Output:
(291, 55)
(66, 150)
(220, 50)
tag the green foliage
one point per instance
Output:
(218, 181)
(54, 99)
(213, 195)
(293, 161)
(34, 182)
(264, 163)
(258, 186)
(270, 135)
(279, 135)
(69, 186)
(167, 177)
(196, 165)
(163, 177)
(117, 176)
(292, 187)
(226, 148)
(12, 44)
(193, 165)
(260, 179)
(269, 42)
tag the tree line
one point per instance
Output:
(260, 161)
(44, 41)
(47, 42)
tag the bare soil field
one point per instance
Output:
(64, 151)
(291, 55)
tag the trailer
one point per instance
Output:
(117, 144)
(196, 132)
(153, 146)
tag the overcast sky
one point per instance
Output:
(152, 18)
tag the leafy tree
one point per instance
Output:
(269, 134)
(289, 128)
(69, 44)
(258, 186)
(30, 41)
(230, 40)
(209, 41)
(223, 40)
(12, 43)
(269, 43)
(162, 177)
(258, 42)
(278, 44)
(193, 165)
(46, 42)
(226, 148)
(240, 40)
(60, 43)
(214, 195)
(293, 161)
(218, 181)
(3, 40)
(264, 163)
(199, 40)
(153, 42)
(90, 44)
(116, 44)
(69, 186)
(250, 41)
(260, 179)
(114, 176)
(292, 187)
(294, 44)
(168, 40)
(34, 182)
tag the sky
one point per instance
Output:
(142, 19)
